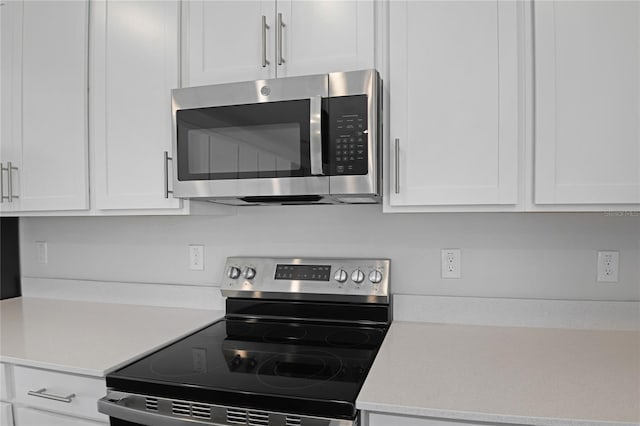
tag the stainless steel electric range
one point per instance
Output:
(294, 348)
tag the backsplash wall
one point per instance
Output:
(508, 255)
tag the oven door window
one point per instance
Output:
(263, 140)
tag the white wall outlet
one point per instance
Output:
(41, 252)
(608, 266)
(196, 257)
(451, 263)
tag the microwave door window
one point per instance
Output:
(221, 144)
(250, 151)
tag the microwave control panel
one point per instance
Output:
(348, 135)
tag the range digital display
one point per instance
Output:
(303, 272)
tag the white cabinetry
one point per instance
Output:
(135, 64)
(379, 419)
(587, 99)
(325, 36)
(454, 105)
(44, 105)
(6, 414)
(29, 417)
(44, 397)
(6, 390)
(223, 41)
(10, 30)
(228, 41)
(6, 409)
(135, 56)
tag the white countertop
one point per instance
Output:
(89, 338)
(532, 376)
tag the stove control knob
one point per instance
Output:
(357, 276)
(249, 273)
(341, 275)
(233, 272)
(375, 276)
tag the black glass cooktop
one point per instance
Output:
(308, 368)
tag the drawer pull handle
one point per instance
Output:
(41, 393)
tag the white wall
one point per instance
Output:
(519, 255)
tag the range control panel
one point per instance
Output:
(330, 279)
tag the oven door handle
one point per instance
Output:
(118, 408)
(315, 135)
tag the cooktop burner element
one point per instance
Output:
(303, 354)
(348, 338)
(284, 334)
(314, 366)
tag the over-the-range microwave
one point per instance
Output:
(295, 140)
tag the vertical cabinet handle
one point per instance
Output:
(265, 27)
(279, 34)
(166, 174)
(2, 196)
(41, 393)
(397, 158)
(10, 169)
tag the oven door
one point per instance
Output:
(252, 139)
(131, 410)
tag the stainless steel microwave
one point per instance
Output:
(295, 140)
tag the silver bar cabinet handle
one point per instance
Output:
(166, 174)
(265, 27)
(279, 34)
(2, 196)
(10, 169)
(41, 393)
(397, 158)
(315, 135)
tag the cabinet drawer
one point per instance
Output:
(86, 391)
(29, 417)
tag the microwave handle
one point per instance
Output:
(315, 135)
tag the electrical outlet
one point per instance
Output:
(196, 257)
(41, 252)
(451, 263)
(608, 262)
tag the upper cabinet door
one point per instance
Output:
(53, 174)
(324, 36)
(135, 64)
(10, 33)
(454, 103)
(226, 41)
(587, 93)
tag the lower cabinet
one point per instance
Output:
(379, 419)
(36, 397)
(6, 414)
(31, 417)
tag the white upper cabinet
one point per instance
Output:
(324, 36)
(10, 29)
(454, 105)
(44, 77)
(225, 41)
(135, 64)
(228, 41)
(587, 102)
